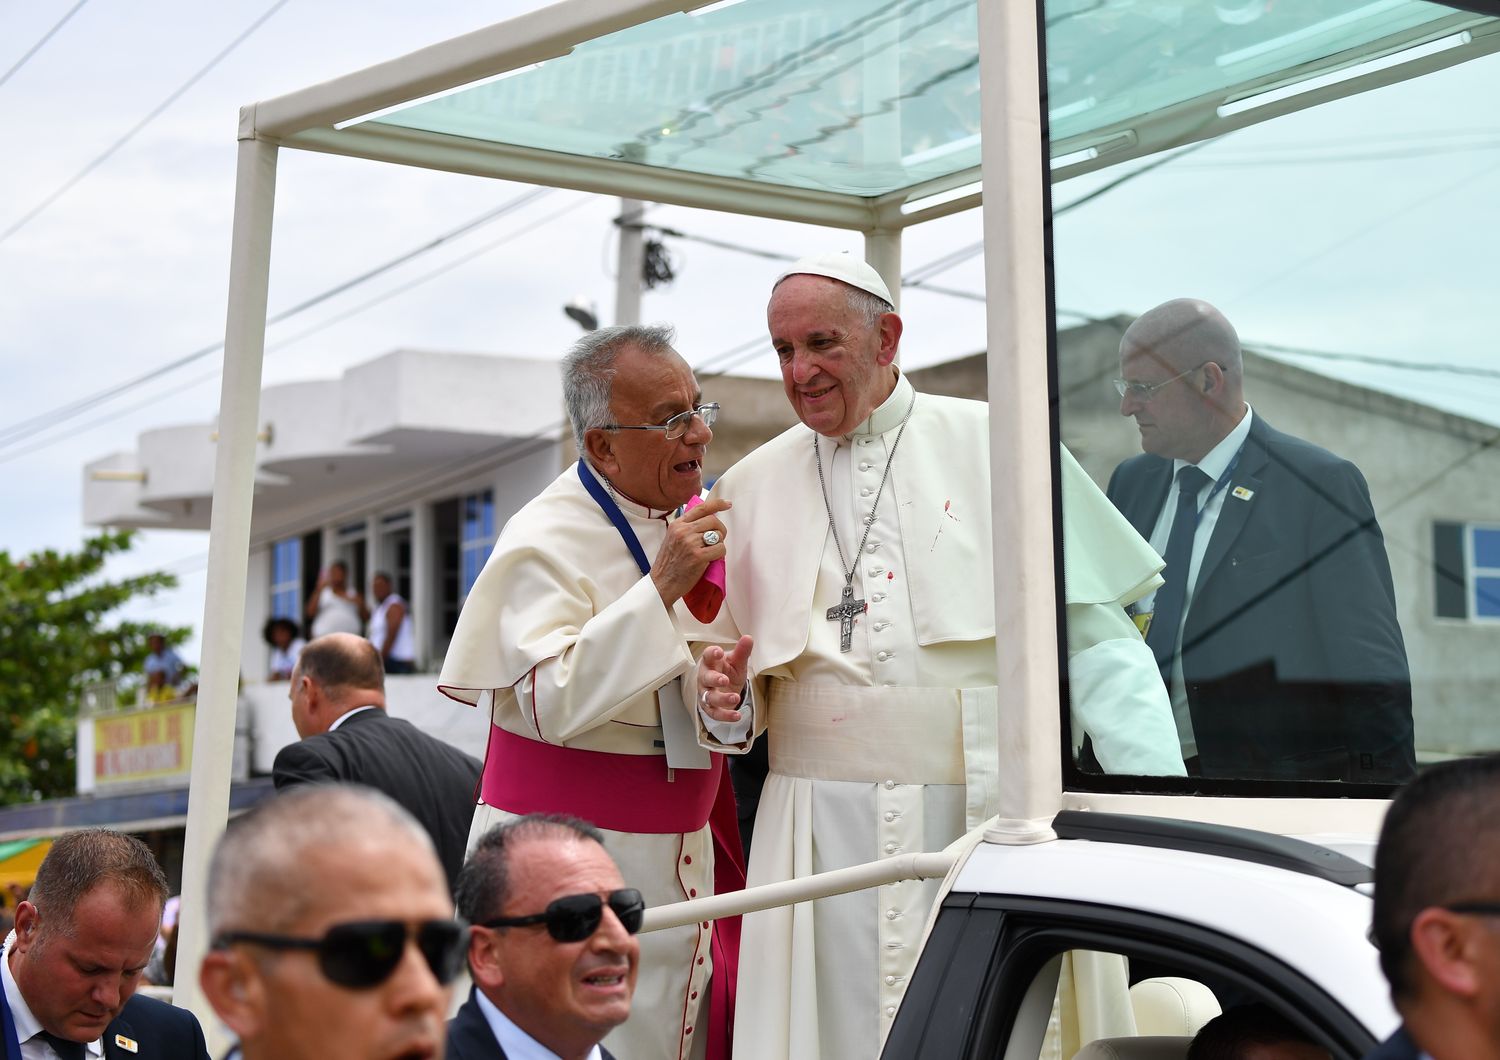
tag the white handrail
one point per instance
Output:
(803, 889)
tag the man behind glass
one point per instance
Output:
(1277, 633)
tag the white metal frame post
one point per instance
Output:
(883, 252)
(228, 555)
(1021, 437)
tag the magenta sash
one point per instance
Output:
(624, 793)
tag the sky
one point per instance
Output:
(1364, 226)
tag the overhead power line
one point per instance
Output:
(23, 60)
(916, 279)
(21, 430)
(155, 112)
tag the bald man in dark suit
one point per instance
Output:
(1276, 630)
(338, 705)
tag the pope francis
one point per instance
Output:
(860, 561)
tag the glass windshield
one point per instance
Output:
(1274, 354)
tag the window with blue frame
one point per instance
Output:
(286, 579)
(1466, 567)
(476, 537)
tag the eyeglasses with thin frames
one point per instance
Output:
(1146, 391)
(676, 426)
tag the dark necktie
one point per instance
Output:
(65, 1049)
(1166, 616)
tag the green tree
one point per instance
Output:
(59, 634)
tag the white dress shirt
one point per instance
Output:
(28, 1028)
(1215, 465)
(518, 1045)
(345, 717)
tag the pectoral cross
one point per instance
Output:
(843, 613)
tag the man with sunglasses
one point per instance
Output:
(554, 952)
(1437, 912)
(331, 930)
(574, 634)
(69, 971)
(1276, 630)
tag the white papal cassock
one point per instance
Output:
(571, 644)
(891, 747)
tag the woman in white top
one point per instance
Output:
(335, 607)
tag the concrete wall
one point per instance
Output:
(265, 717)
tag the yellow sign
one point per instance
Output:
(150, 744)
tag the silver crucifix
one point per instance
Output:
(843, 613)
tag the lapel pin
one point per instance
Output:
(128, 1044)
(1242, 493)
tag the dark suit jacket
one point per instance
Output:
(435, 781)
(1293, 660)
(470, 1037)
(160, 1032)
(158, 1029)
(1398, 1046)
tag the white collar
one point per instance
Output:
(346, 716)
(1222, 455)
(890, 413)
(628, 506)
(27, 1025)
(514, 1042)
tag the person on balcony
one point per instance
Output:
(391, 629)
(336, 606)
(164, 670)
(286, 646)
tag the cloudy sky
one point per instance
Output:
(1364, 227)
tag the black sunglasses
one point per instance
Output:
(1475, 908)
(575, 917)
(364, 953)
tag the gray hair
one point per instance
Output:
(588, 370)
(80, 861)
(259, 877)
(484, 884)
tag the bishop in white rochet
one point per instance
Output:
(860, 562)
(573, 636)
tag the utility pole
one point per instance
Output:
(632, 262)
